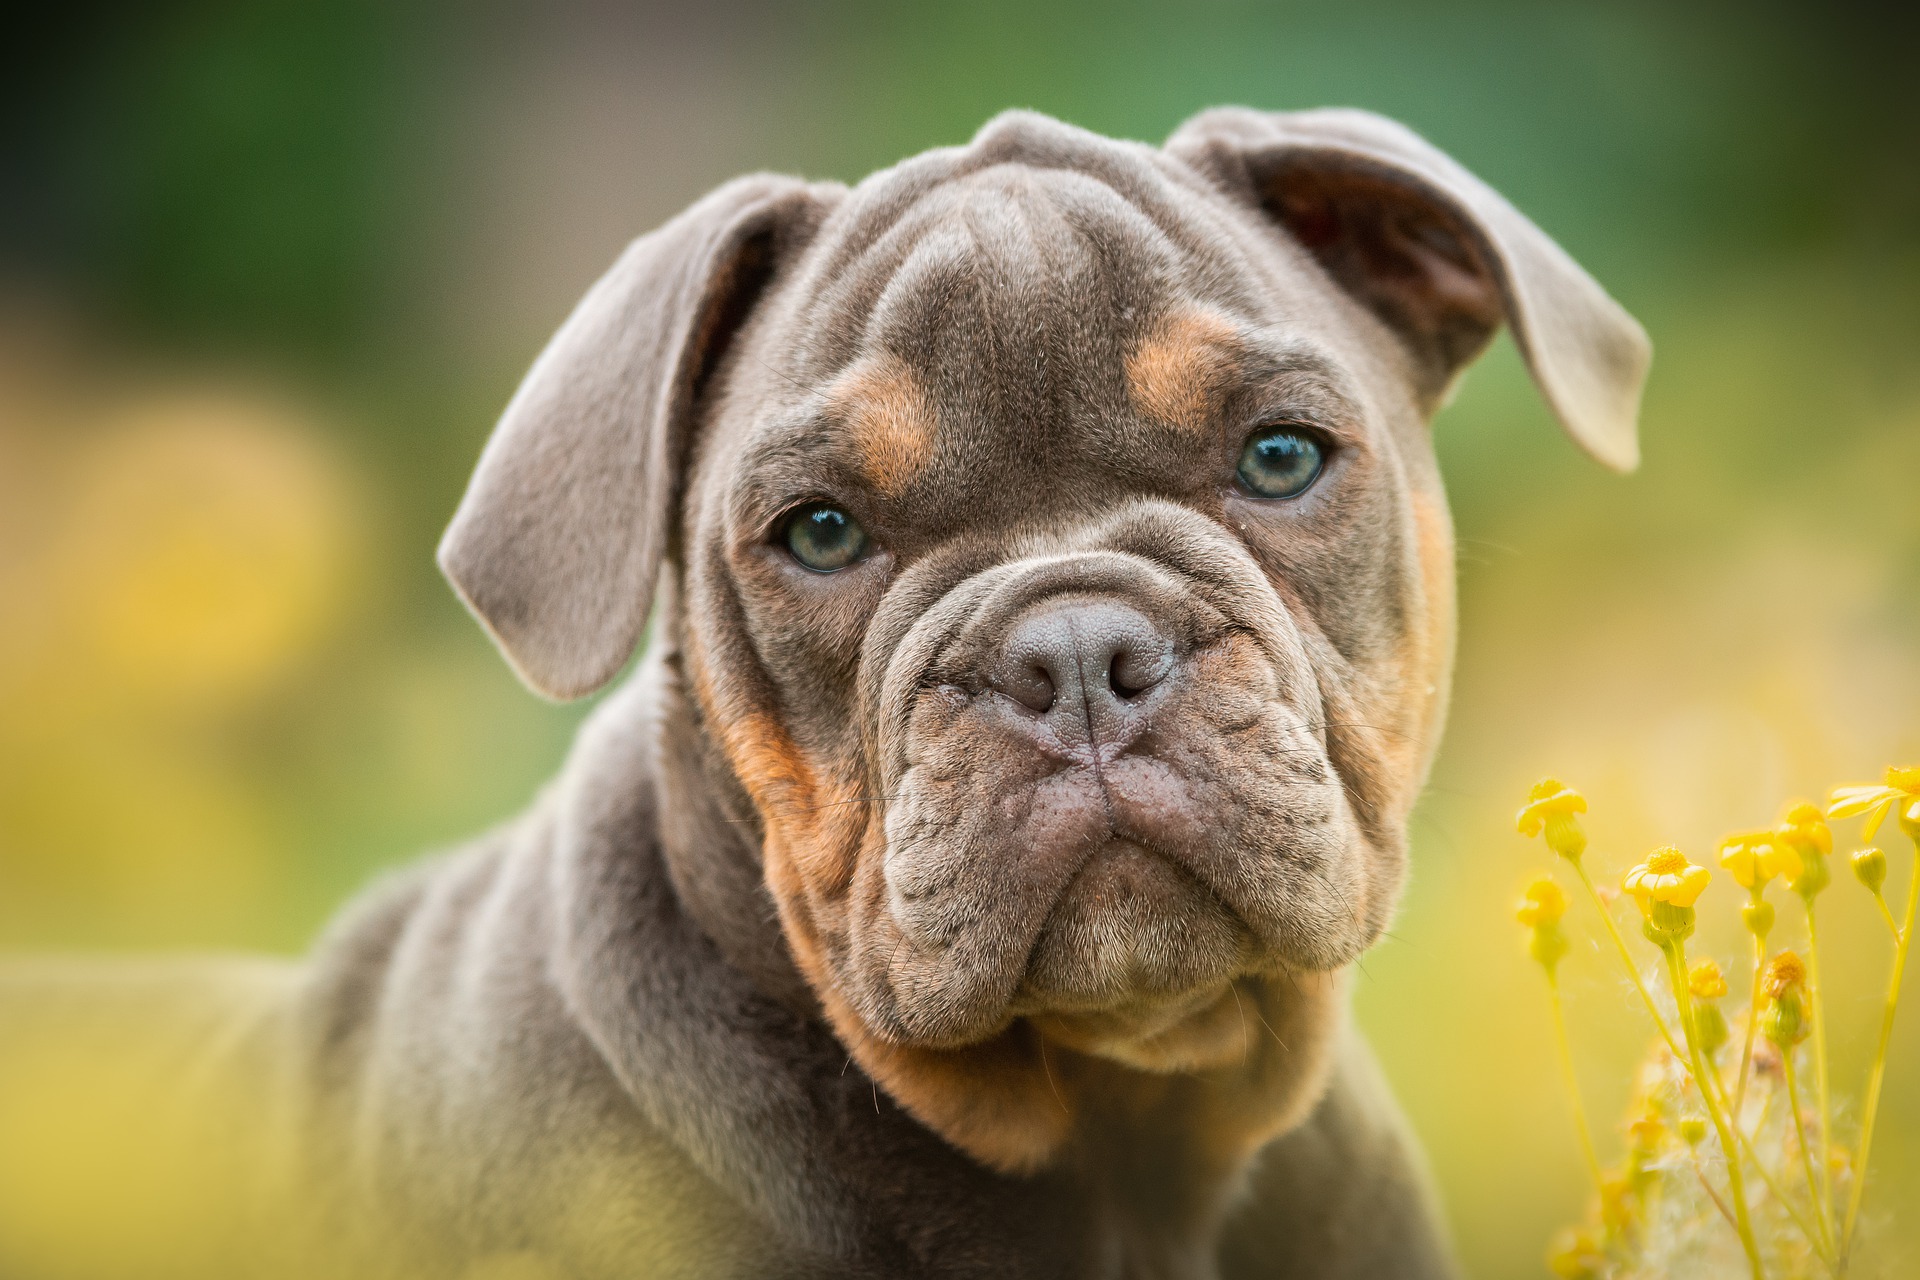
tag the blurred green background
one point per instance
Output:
(268, 271)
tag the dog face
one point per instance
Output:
(1064, 570)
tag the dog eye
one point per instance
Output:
(1280, 462)
(824, 538)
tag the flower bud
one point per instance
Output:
(1666, 925)
(1783, 983)
(1712, 1026)
(1783, 1023)
(1870, 869)
(1758, 917)
(1548, 945)
(1566, 837)
(1706, 984)
(1813, 878)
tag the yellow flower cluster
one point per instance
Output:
(1709, 1113)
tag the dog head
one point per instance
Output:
(1063, 567)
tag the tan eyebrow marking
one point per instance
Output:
(1174, 373)
(893, 424)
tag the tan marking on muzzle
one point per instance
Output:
(1174, 375)
(892, 422)
(814, 822)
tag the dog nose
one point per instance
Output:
(1084, 667)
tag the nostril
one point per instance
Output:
(1030, 685)
(1135, 668)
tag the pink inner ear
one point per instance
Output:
(1407, 258)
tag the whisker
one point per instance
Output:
(1047, 1069)
(1270, 1031)
(1246, 1043)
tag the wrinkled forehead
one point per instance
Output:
(1012, 264)
(1020, 334)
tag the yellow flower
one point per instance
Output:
(1544, 902)
(1804, 828)
(1900, 794)
(1805, 832)
(1785, 973)
(1551, 806)
(1754, 857)
(1706, 982)
(1666, 876)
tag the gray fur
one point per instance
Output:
(823, 956)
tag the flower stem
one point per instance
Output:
(1626, 959)
(1818, 1009)
(1878, 1072)
(1893, 928)
(1807, 1232)
(1572, 1083)
(1677, 976)
(1753, 1024)
(1699, 1171)
(1800, 1132)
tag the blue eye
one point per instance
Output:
(824, 538)
(1280, 462)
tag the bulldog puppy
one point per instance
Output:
(1051, 590)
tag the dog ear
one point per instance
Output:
(556, 545)
(1436, 254)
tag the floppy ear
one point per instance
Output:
(557, 542)
(1436, 254)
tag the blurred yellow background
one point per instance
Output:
(268, 272)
